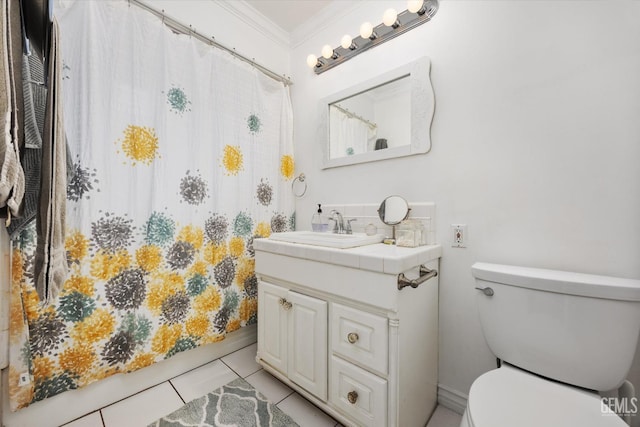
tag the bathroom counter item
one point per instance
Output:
(378, 257)
(318, 221)
(333, 325)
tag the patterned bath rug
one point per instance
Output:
(236, 404)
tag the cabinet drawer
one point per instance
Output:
(357, 393)
(360, 336)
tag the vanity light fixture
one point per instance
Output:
(366, 31)
(312, 61)
(416, 6)
(390, 18)
(327, 51)
(347, 43)
(393, 24)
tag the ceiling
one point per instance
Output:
(288, 14)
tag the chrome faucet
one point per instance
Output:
(336, 216)
(341, 226)
(347, 226)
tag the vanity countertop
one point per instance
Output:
(388, 259)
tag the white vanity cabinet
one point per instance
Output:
(333, 325)
(293, 335)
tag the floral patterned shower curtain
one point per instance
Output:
(348, 135)
(182, 157)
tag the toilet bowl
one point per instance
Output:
(509, 397)
(561, 337)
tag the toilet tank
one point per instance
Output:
(576, 328)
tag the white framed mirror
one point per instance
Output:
(386, 117)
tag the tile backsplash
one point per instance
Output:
(366, 214)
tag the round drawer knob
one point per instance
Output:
(352, 338)
(285, 304)
(352, 397)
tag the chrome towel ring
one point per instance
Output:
(301, 179)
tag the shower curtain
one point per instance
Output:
(182, 157)
(348, 135)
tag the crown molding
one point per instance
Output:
(256, 20)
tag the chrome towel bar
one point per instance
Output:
(425, 274)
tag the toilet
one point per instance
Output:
(561, 337)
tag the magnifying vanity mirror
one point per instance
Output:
(385, 117)
(393, 210)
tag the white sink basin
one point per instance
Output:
(330, 240)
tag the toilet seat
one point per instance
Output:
(508, 397)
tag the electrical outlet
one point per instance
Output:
(459, 235)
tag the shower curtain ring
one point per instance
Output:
(301, 178)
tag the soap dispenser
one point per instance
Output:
(317, 221)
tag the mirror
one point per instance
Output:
(386, 117)
(377, 119)
(393, 210)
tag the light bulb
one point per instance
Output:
(414, 6)
(389, 18)
(327, 51)
(346, 41)
(312, 60)
(366, 30)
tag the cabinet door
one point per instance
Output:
(307, 365)
(272, 325)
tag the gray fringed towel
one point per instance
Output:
(35, 100)
(51, 261)
(11, 174)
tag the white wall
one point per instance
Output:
(234, 25)
(394, 127)
(535, 144)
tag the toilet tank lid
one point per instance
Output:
(564, 282)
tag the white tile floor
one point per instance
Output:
(444, 417)
(149, 405)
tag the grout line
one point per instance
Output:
(280, 401)
(211, 361)
(131, 395)
(313, 405)
(233, 370)
(177, 392)
(260, 369)
(82, 416)
(197, 367)
(72, 421)
(102, 418)
(253, 373)
(230, 368)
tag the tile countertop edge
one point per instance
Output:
(397, 258)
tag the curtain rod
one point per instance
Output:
(188, 30)
(354, 116)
